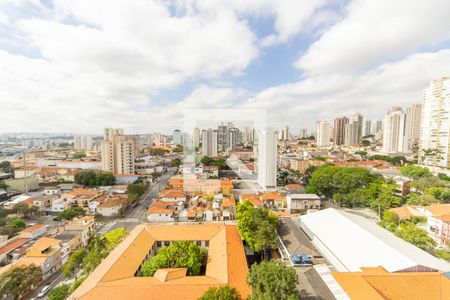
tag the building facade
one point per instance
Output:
(323, 134)
(435, 125)
(267, 158)
(118, 152)
(339, 130)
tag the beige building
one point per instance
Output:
(118, 275)
(118, 152)
(302, 201)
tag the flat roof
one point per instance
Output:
(350, 242)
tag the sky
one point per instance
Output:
(142, 65)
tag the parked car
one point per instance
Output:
(44, 291)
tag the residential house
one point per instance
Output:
(253, 198)
(161, 211)
(229, 208)
(33, 231)
(59, 205)
(438, 223)
(111, 206)
(46, 253)
(297, 202)
(172, 195)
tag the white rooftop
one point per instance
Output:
(350, 242)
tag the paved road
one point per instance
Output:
(136, 215)
(310, 285)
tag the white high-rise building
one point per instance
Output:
(83, 142)
(351, 134)
(435, 125)
(303, 133)
(394, 131)
(248, 136)
(412, 129)
(157, 138)
(376, 126)
(209, 142)
(118, 152)
(196, 137)
(366, 124)
(176, 137)
(286, 133)
(267, 158)
(323, 134)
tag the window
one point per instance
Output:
(206, 243)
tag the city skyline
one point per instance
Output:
(48, 83)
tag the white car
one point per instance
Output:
(43, 291)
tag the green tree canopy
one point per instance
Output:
(3, 185)
(19, 280)
(71, 213)
(222, 293)
(115, 237)
(415, 172)
(415, 235)
(181, 254)
(59, 293)
(257, 226)
(79, 155)
(272, 280)
(6, 167)
(94, 178)
(17, 223)
(136, 190)
(74, 262)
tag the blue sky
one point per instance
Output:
(141, 64)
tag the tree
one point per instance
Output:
(17, 223)
(415, 235)
(71, 213)
(390, 221)
(440, 193)
(181, 254)
(74, 262)
(176, 162)
(59, 293)
(222, 293)
(365, 143)
(19, 280)
(79, 155)
(94, 178)
(272, 280)
(415, 172)
(3, 185)
(416, 199)
(206, 160)
(115, 237)
(361, 153)
(6, 167)
(257, 226)
(97, 251)
(136, 190)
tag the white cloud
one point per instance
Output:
(375, 31)
(325, 97)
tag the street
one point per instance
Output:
(136, 215)
(133, 217)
